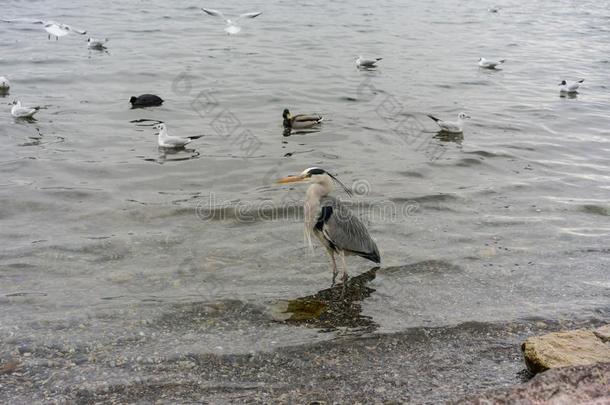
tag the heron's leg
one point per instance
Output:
(344, 272)
(334, 268)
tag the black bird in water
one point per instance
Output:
(145, 100)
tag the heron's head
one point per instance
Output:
(286, 114)
(463, 116)
(563, 83)
(314, 175)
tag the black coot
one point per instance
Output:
(146, 100)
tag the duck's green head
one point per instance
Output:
(286, 114)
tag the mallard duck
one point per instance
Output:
(301, 120)
(454, 127)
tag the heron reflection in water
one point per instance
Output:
(332, 222)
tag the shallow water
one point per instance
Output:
(107, 239)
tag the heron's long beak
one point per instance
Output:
(291, 179)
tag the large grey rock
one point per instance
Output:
(560, 386)
(570, 348)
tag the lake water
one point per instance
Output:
(113, 249)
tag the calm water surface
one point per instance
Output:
(106, 239)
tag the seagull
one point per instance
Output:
(99, 44)
(300, 121)
(451, 127)
(489, 63)
(23, 112)
(232, 27)
(570, 87)
(51, 27)
(5, 85)
(331, 221)
(366, 63)
(168, 141)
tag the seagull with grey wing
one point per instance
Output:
(454, 127)
(570, 87)
(366, 63)
(490, 63)
(232, 27)
(170, 141)
(54, 29)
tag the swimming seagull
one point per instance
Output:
(51, 27)
(366, 63)
(168, 141)
(489, 63)
(98, 44)
(5, 85)
(300, 121)
(23, 112)
(232, 27)
(331, 221)
(455, 127)
(570, 87)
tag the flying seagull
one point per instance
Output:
(53, 28)
(331, 221)
(454, 127)
(232, 27)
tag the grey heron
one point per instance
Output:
(331, 221)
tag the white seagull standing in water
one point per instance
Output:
(232, 27)
(23, 112)
(366, 63)
(454, 127)
(167, 141)
(51, 27)
(570, 87)
(490, 63)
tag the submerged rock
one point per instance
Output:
(570, 348)
(566, 385)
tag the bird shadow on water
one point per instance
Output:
(332, 308)
(445, 136)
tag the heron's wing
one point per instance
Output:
(345, 231)
(248, 15)
(215, 13)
